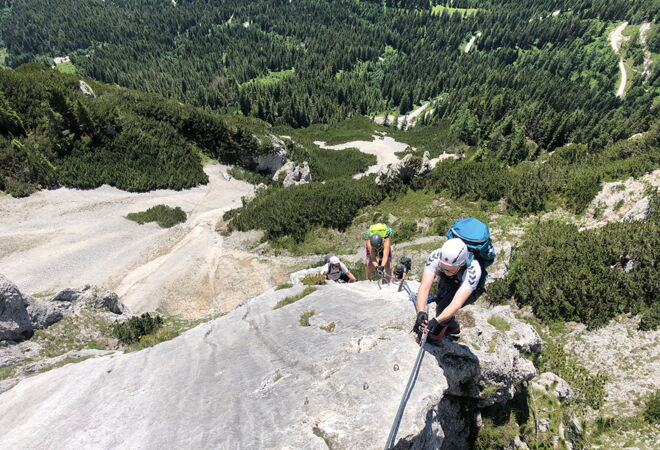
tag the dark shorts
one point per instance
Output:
(447, 288)
(389, 260)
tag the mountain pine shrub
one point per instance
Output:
(163, 215)
(588, 276)
(134, 328)
(295, 210)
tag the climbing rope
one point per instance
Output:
(418, 362)
(406, 393)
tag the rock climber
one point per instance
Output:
(459, 276)
(378, 250)
(335, 270)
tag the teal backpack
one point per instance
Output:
(476, 236)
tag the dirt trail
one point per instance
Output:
(408, 120)
(471, 42)
(616, 37)
(68, 238)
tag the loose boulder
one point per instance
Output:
(292, 174)
(554, 384)
(15, 322)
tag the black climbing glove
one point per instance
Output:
(421, 318)
(433, 325)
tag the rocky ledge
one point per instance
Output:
(327, 370)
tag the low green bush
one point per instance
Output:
(250, 176)
(295, 210)
(404, 231)
(652, 408)
(163, 215)
(589, 387)
(313, 279)
(135, 328)
(589, 276)
(294, 298)
(283, 286)
(304, 318)
(326, 164)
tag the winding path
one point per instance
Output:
(471, 42)
(616, 37)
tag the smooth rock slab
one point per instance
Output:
(254, 378)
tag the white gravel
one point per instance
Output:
(384, 147)
(68, 238)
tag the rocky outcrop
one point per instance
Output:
(554, 384)
(291, 174)
(86, 89)
(407, 168)
(272, 162)
(21, 315)
(622, 201)
(15, 322)
(90, 297)
(257, 378)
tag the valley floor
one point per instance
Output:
(69, 238)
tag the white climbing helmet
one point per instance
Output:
(453, 252)
(334, 260)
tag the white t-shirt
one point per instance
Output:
(335, 273)
(469, 277)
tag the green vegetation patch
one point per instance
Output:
(78, 332)
(652, 408)
(135, 328)
(358, 128)
(499, 323)
(590, 387)
(589, 276)
(441, 9)
(283, 286)
(271, 77)
(54, 135)
(169, 328)
(66, 67)
(304, 318)
(435, 138)
(163, 215)
(313, 279)
(7, 372)
(294, 298)
(298, 209)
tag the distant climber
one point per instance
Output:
(378, 249)
(335, 270)
(459, 276)
(402, 268)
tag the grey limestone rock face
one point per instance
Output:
(257, 378)
(45, 313)
(21, 315)
(90, 297)
(292, 174)
(15, 323)
(489, 363)
(86, 89)
(406, 169)
(554, 384)
(272, 161)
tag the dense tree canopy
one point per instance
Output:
(52, 134)
(544, 73)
